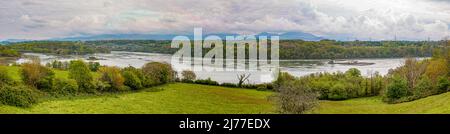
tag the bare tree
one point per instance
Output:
(242, 78)
(295, 97)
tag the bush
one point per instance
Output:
(337, 92)
(206, 82)
(423, 88)
(188, 75)
(132, 80)
(113, 77)
(20, 96)
(62, 86)
(397, 89)
(353, 72)
(100, 85)
(443, 84)
(295, 97)
(94, 66)
(187, 81)
(228, 85)
(282, 78)
(81, 73)
(36, 75)
(157, 73)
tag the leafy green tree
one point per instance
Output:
(81, 73)
(424, 88)
(132, 80)
(396, 89)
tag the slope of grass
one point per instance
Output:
(174, 98)
(433, 104)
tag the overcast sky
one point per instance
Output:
(335, 19)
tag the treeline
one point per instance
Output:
(412, 81)
(151, 46)
(57, 47)
(289, 49)
(419, 79)
(329, 49)
(298, 49)
(6, 52)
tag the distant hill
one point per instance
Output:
(294, 36)
(283, 36)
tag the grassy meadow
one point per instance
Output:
(182, 98)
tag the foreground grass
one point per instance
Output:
(433, 104)
(173, 99)
(202, 99)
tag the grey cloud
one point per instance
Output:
(329, 18)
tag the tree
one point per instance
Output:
(295, 97)
(80, 72)
(242, 78)
(436, 68)
(157, 73)
(112, 76)
(443, 84)
(396, 89)
(132, 80)
(36, 75)
(188, 75)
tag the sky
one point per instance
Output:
(333, 19)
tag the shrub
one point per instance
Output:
(353, 72)
(283, 77)
(337, 92)
(436, 69)
(81, 73)
(62, 86)
(188, 75)
(295, 97)
(443, 84)
(94, 66)
(113, 77)
(228, 85)
(36, 75)
(206, 82)
(157, 73)
(101, 86)
(423, 88)
(132, 80)
(264, 86)
(397, 89)
(20, 96)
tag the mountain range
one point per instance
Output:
(283, 36)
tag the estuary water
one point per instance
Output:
(295, 67)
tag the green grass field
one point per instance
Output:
(175, 98)
(374, 105)
(201, 99)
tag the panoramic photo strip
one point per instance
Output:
(213, 66)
